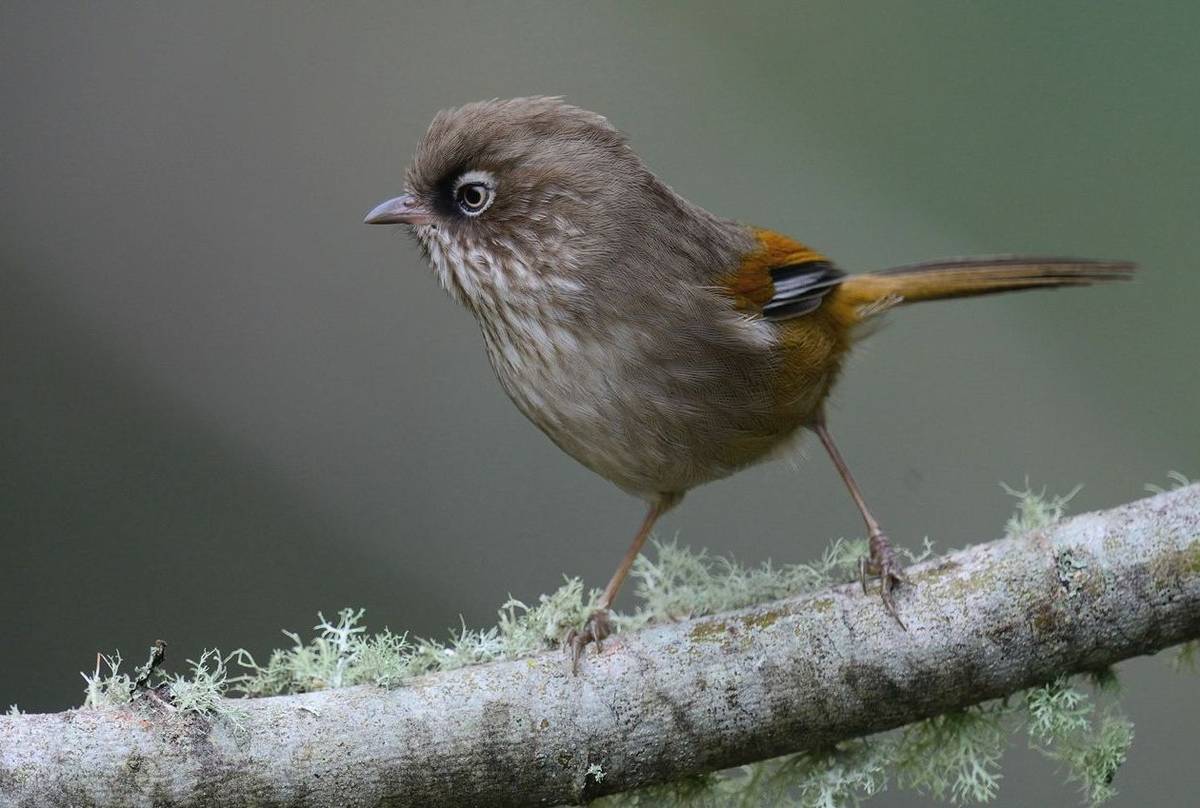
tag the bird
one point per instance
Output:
(658, 344)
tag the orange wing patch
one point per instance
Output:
(812, 337)
(751, 285)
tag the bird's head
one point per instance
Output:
(527, 193)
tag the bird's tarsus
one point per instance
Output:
(596, 629)
(882, 563)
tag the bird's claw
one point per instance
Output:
(882, 563)
(596, 629)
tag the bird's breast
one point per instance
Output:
(570, 383)
(653, 405)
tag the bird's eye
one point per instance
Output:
(473, 198)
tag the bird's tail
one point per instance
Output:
(873, 292)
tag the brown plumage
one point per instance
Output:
(659, 345)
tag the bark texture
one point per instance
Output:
(662, 703)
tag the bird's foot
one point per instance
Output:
(596, 629)
(882, 563)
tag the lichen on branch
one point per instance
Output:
(1049, 602)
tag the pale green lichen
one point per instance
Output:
(698, 791)
(675, 582)
(1094, 765)
(329, 660)
(107, 686)
(679, 582)
(954, 756)
(343, 654)
(1035, 510)
(1178, 480)
(1056, 710)
(1063, 727)
(202, 691)
(842, 777)
(14, 710)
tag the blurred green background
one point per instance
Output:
(226, 404)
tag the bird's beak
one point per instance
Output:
(401, 210)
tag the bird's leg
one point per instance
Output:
(882, 559)
(598, 626)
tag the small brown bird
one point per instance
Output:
(659, 345)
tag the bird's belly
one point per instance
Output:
(646, 425)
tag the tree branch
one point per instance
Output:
(659, 704)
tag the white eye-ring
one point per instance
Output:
(474, 192)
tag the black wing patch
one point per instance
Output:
(800, 288)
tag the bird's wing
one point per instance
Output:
(782, 279)
(800, 288)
